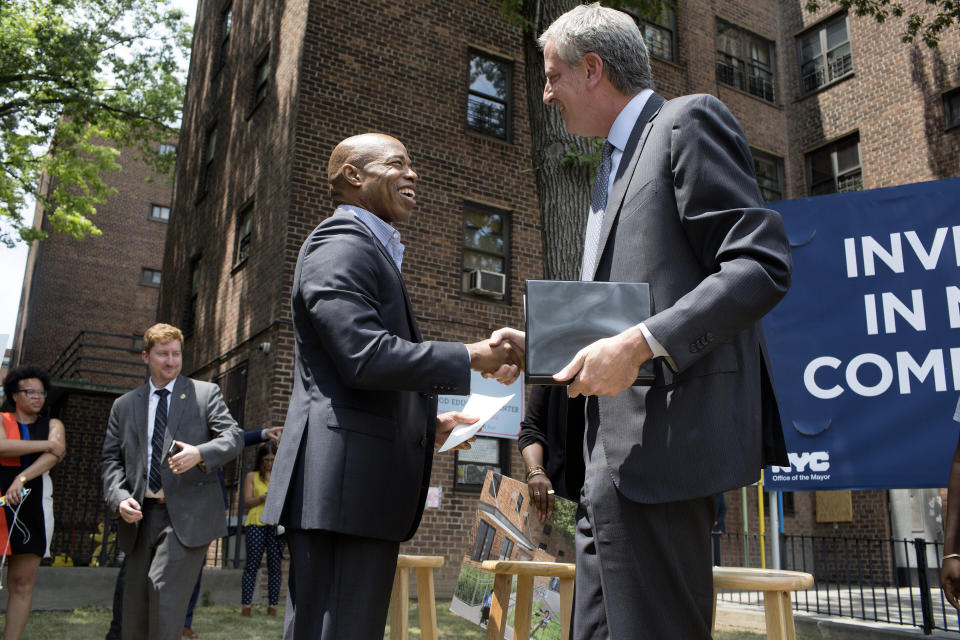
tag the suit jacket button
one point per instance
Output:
(423, 442)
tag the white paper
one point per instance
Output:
(481, 406)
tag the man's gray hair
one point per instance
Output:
(612, 35)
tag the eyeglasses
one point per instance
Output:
(33, 393)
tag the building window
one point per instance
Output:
(483, 542)
(244, 231)
(193, 298)
(769, 171)
(165, 149)
(494, 485)
(159, 213)
(485, 454)
(485, 252)
(226, 23)
(825, 54)
(835, 168)
(658, 33)
(261, 75)
(745, 61)
(209, 154)
(506, 549)
(951, 108)
(489, 95)
(150, 277)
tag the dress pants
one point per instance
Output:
(339, 586)
(643, 570)
(160, 574)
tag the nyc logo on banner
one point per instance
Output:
(865, 347)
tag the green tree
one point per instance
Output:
(80, 79)
(928, 25)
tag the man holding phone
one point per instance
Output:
(164, 443)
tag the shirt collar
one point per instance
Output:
(627, 119)
(168, 386)
(380, 228)
(383, 231)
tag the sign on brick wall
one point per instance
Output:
(865, 347)
(506, 422)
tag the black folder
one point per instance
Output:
(563, 316)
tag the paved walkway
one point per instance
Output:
(888, 605)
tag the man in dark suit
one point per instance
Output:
(164, 443)
(676, 205)
(353, 468)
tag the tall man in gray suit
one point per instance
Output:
(353, 468)
(676, 205)
(164, 443)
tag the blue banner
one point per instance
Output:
(865, 347)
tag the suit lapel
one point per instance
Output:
(141, 411)
(414, 329)
(628, 164)
(182, 394)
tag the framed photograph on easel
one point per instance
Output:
(506, 528)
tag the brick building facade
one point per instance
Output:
(828, 102)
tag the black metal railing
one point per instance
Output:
(101, 357)
(888, 580)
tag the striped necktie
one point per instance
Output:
(591, 244)
(159, 431)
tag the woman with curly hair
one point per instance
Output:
(30, 445)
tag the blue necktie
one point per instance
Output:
(591, 244)
(159, 430)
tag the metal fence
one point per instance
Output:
(888, 580)
(101, 357)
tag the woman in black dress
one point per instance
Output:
(30, 446)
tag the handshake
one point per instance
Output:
(604, 368)
(500, 357)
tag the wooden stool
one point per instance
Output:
(776, 586)
(426, 599)
(525, 572)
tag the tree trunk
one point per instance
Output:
(563, 185)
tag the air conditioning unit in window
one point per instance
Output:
(486, 283)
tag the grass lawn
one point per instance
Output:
(225, 623)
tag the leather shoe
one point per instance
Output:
(245, 611)
(189, 633)
(272, 612)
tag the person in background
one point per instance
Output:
(30, 445)
(551, 443)
(950, 567)
(485, 608)
(250, 438)
(164, 443)
(260, 537)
